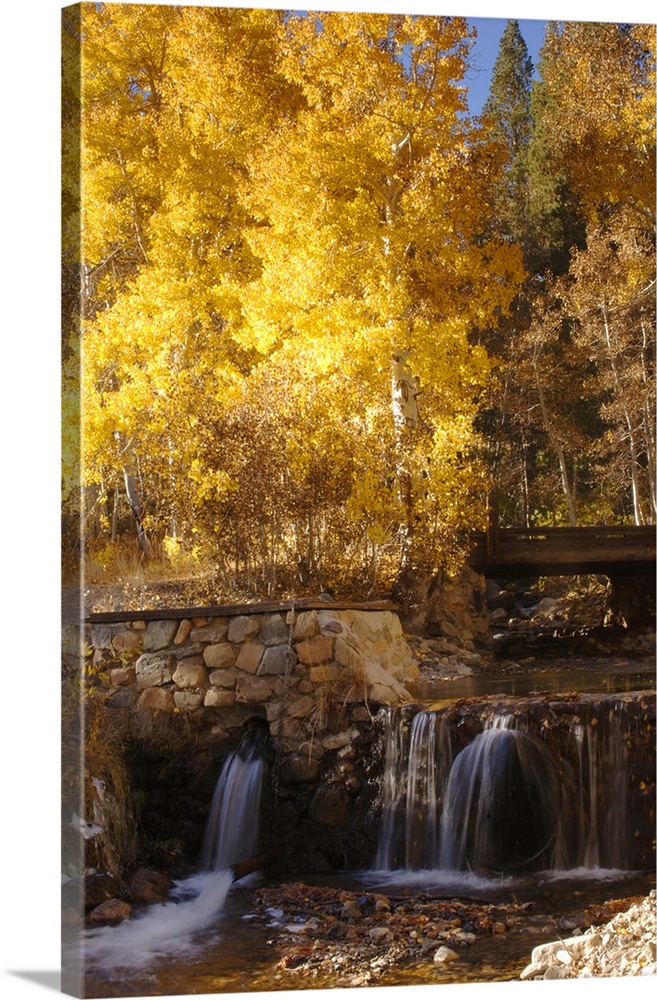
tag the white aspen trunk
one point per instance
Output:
(132, 493)
(115, 515)
(405, 418)
(561, 458)
(622, 399)
(525, 484)
(649, 422)
(404, 395)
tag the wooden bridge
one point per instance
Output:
(517, 552)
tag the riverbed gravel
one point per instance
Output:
(351, 939)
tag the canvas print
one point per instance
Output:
(358, 515)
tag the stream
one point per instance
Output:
(217, 936)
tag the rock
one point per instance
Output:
(378, 934)
(330, 805)
(213, 632)
(187, 649)
(616, 949)
(224, 678)
(340, 739)
(219, 655)
(127, 642)
(153, 669)
(381, 694)
(445, 954)
(157, 699)
(249, 657)
(325, 673)
(504, 599)
(102, 635)
(533, 970)
(273, 630)
(299, 768)
(187, 701)
(498, 615)
(305, 625)
(147, 886)
(317, 650)
(243, 627)
(556, 972)
(333, 622)
(253, 689)
(215, 698)
(275, 660)
(120, 676)
(159, 634)
(301, 707)
(183, 632)
(349, 652)
(125, 697)
(190, 674)
(114, 911)
(90, 891)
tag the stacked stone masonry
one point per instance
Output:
(294, 665)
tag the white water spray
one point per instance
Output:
(165, 930)
(232, 833)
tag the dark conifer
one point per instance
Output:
(508, 111)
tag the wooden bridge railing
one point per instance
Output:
(557, 551)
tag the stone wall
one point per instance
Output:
(184, 690)
(288, 666)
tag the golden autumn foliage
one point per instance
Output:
(261, 210)
(272, 205)
(600, 79)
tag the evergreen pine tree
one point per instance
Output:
(557, 223)
(508, 114)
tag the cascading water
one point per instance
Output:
(602, 769)
(174, 928)
(510, 801)
(413, 793)
(232, 833)
(502, 800)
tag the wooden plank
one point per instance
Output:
(558, 551)
(232, 610)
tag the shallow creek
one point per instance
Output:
(248, 949)
(226, 940)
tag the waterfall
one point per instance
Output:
(232, 833)
(173, 928)
(412, 792)
(602, 798)
(501, 803)
(516, 798)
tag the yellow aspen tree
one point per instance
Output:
(173, 100)
(276, 207)
(599, 81)
(373, 246)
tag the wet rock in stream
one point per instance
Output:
(356, 938)
(324, 933)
